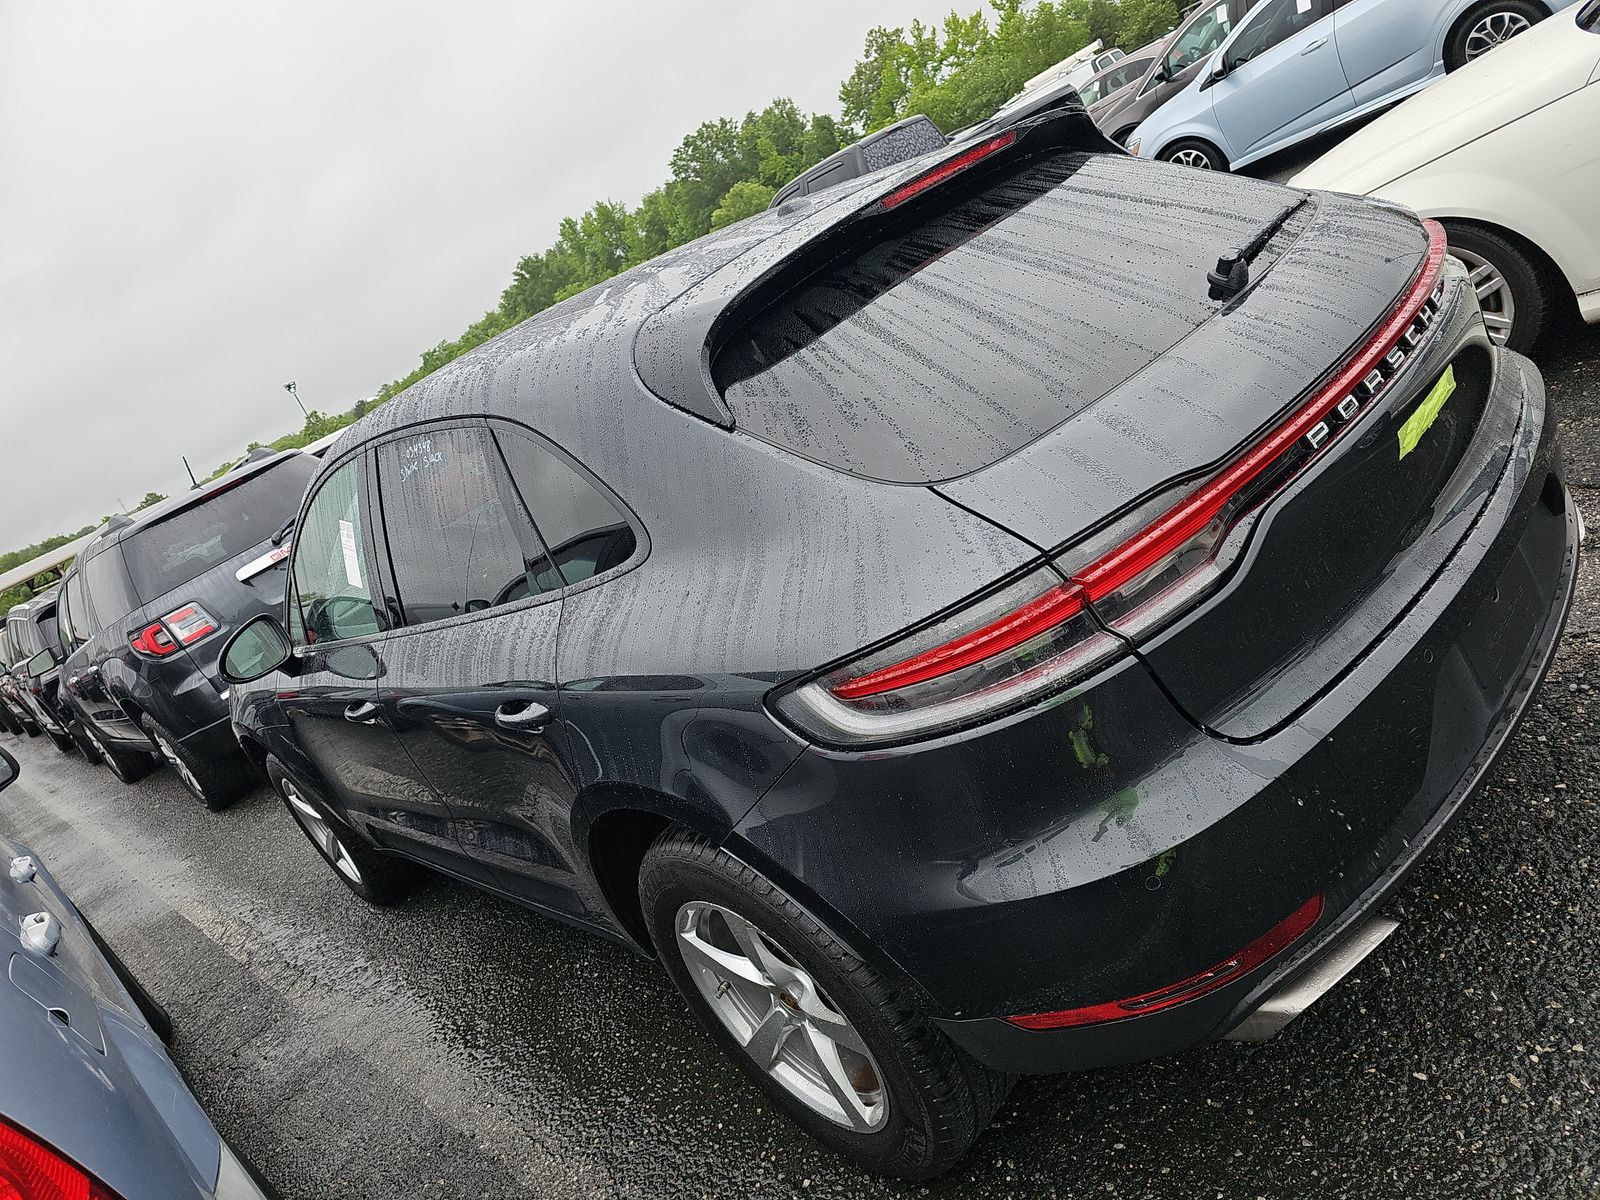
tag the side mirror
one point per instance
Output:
(1215, 73)
(9, 770)
(42, 663)
(258, 647)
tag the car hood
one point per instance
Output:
(1532, 70)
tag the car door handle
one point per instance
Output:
(523, 716)
(363, 712)
(1316, 45)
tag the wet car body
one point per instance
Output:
(1253, 773)
(132, 660)
(89, 1089)
(36, 684)
(17, 716)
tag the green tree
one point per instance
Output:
(744, 199)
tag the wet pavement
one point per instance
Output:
(459, 1046)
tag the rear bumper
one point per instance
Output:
(1102, 847)
(1486, 651)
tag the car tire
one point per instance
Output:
(910, 1107)
(1193, 152)
(1488, 25)
(376, 877)
(7, 721)
(65, 742)
(1514, 286)
(130, 766)
(30, 726)
(216, 783)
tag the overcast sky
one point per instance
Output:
(199, 201)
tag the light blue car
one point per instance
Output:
(1294, 68)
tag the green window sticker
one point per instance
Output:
(1427, 412)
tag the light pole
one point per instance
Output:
(290, 388)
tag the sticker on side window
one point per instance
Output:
(352, 564)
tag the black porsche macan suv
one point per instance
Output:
(958, 624)
(144, 613)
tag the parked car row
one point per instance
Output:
(120, 662)
(1291, 69)
(949, 658)
(1505, 155)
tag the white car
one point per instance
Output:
(1505, 153)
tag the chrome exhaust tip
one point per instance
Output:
(1288, 1002)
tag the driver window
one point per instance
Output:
(1200, 40)
(1274, 21)
(459, 538)
(332, 577)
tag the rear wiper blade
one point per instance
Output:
(283, 531)
(1232, 273)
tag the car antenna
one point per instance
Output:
(1232, 273)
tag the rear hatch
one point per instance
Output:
(203, 570)
(1041, 344)
(1281, 589)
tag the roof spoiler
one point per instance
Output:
(703, 317)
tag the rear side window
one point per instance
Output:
(76, 625)
(23, 641)
(585, 532)
(168, 554)
(111, 592)
(332, 576)
(459, 540)
(45, 624)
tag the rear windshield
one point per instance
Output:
(939, 350)
(168, 554)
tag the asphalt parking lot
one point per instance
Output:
(461, 1047)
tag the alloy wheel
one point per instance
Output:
(1494, 294)
(786, 1023)
(1192, 158)
(321, 832)
(1492, 29)
(170, 753)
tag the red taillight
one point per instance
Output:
(1033, 618)
(1011, 646)
(30, 1170)
(1199, 521)
(189, 624)
(1040, 634)
(181, 627)
(154, 640)
(951, 166)
(1266, 947)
